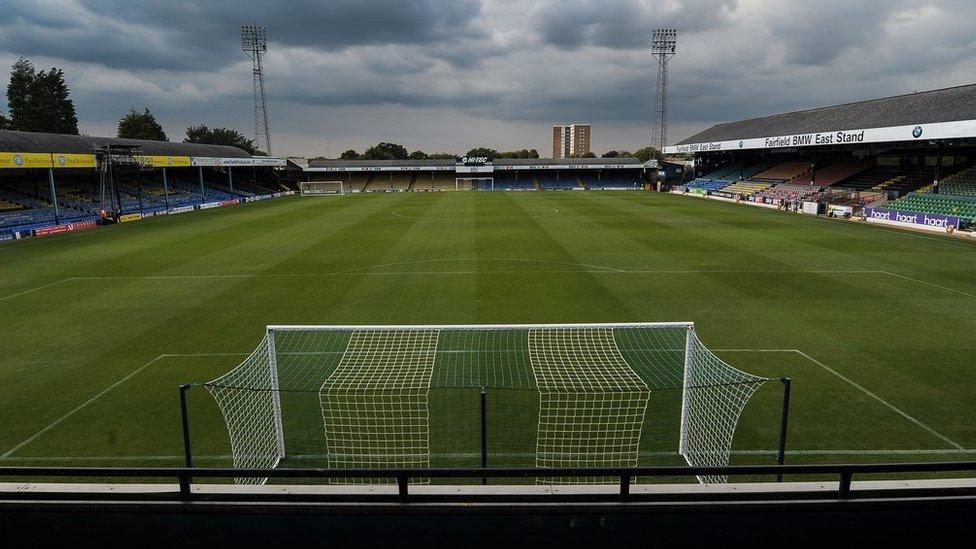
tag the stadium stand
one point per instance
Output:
(833, 173)
(790, 192)
(609, 181)
(963, 207)
(962, 183)
(746, 188)
(552, 182)
(510, 182)
(783, 171)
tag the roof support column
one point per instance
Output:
(938, 170)
(54, 194)
(165, 189)
(203, 194)
(230, 178)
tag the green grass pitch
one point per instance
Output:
(876, 327)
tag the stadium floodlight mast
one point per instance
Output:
(254, 44)
(664, 43)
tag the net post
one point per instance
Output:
(484, 432)
(273, 370)
(783, 421)
(185, 417)
(682, 442)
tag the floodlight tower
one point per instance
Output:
(664, 43)
(254, 44)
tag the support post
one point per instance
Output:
(139, 187)
(783, 420)
(230, 178)
(203, 194)
(273, 372)
(54, 195)
(165, 189)
(686, 382)
(185, 416)
(484, 432)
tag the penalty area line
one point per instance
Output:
(859, 387)
(103, 392)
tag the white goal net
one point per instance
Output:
(571, 395)
(322, 188)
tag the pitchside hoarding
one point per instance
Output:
(935, 221)
(911, 132)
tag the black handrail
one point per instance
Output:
(844, 472)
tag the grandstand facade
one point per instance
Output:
(462, 174)
(904, 160)
(52, 183)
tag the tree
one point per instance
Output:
(40, 101)
(140, 125)
(610, 154)
(219, 136)
(418, 155)
(522, 153)
(54, 103)
(349, 155)
(441, 156)
(385, 151)
(648, 153)
(483, 151)
(589, 155)
(19, 95)
(4, 122)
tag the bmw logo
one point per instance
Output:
(62, 161)
(18, 160)
(917, 131)
(740, 144)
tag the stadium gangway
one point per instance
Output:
(625, 476)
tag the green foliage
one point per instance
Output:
(648, 153)
(349, 155)
(610, 154)
(417, 155)
(522, 153)
(219, 136)
(4, 122)
(140, 125)
(40, 101)
(385, 151)
(483, 151)
(441, 156)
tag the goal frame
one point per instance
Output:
(343, 190)
(474, 187)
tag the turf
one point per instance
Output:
(875, 327)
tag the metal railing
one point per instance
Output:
(625, 476)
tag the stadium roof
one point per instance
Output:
(31, 142)
(952, 111)
(328, 164)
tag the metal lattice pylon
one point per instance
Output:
(254, 44)
(663, 47)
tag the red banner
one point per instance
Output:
(67, 227)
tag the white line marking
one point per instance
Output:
(854, 384)
(83, 405)
(960, 292)
(36, 289)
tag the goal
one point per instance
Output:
(559, 395)
(322, 188)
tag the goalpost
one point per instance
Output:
(322, 188)
(572, 395)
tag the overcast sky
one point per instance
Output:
(447, 75)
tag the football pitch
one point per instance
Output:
(876, 327)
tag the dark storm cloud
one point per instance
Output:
(206, 35)
(571, 24)
(508, 67)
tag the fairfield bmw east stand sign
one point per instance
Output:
(913, 132)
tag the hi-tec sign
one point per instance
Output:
(473, 164)
(910, 132)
